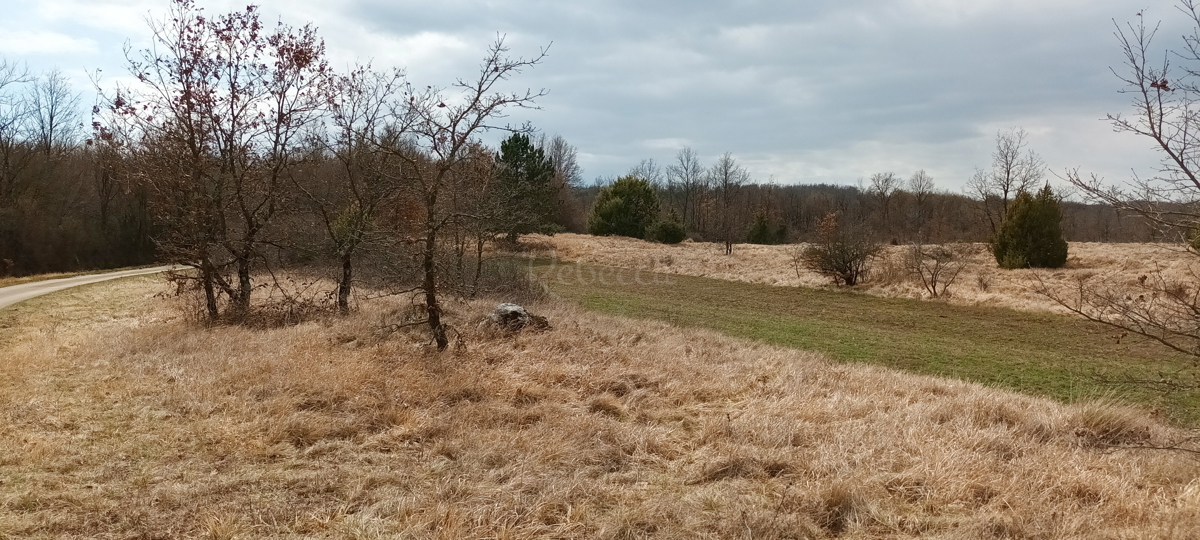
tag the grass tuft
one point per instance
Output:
(743, 467)
(1106, 423)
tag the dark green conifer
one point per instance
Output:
(525, 194)
(626, 208)
(1031, 235)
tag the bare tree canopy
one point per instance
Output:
(726, 176)
(439, 128)
(1164, 100)
(1015, 168)
(920, 184)
(568, 178)
(55, 110)
(883, 187)
(217, 116)
(686, 182)
(647, 170)
(568, 173)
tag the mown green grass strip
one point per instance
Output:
(1045, 354)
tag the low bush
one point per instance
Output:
(936, 267)
(626, 208)
(840, 253)
(669, 231)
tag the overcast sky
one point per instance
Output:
(816, 91)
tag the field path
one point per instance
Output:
(16, 293)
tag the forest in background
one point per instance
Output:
(68, 201)
(237, 148)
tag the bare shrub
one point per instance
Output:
(889, 270)
(983, 281)
(936, 267)
(290, 299)
(841, 253)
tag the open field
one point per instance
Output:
(1118, 264)
(122, 419)
(1035, 352)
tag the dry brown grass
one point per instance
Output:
(980, 283)
(122, 420)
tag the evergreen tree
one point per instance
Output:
(669, 230)
(626, 208)
(760, 231)
(1031, 234)
(525, 192)
(781, 234)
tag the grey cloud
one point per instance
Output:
(797, 89)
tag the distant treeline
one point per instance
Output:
(63, 203)
(936, 217)
(67, 202)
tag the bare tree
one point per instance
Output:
(108, 161)
(565, 159)
(920, 184)
(648, 170)
(54, 108)
(14, 112)
(727, 176)
(438, 130)
(359, 111)
(883, 188)
(1015, 168)
(217, 118)
(687, 177)
(568, 175)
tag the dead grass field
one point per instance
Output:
(121, 419)
(980, 283)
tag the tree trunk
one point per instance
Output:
(343, 297)
(242, 300)
(210, 293)
(433, 309)
(479, 243)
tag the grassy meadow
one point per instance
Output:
(981, 282)
(123, 418)
(1035, 352)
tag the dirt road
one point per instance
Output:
(25, 291)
